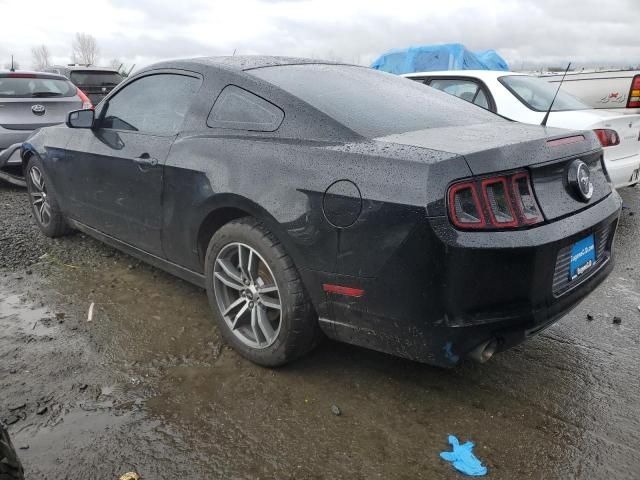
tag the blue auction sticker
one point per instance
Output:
(583, 257)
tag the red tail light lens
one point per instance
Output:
(504, 202)
(526, 203)
(86, 103)
(607, 137)
(465, 207)
(496, 196)
(634, 93)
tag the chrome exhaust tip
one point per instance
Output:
(484, 351)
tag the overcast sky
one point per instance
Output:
(540, 32)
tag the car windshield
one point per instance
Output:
(95, 79)
(32, 86)
(537, 94)
(373, 103)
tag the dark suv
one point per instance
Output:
(96, 82)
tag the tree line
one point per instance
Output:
(84, 51)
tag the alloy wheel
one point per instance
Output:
(39, 199)
(247, 295)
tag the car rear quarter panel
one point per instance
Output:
(283, 183)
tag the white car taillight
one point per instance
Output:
(607, 137)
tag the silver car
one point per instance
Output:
(28, 101)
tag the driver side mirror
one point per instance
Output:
(81, 119)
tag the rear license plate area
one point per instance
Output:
(583, 257)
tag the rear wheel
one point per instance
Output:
(257, 295)
(44, 205)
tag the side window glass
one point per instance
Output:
(481, 100)
(156, 104)
(464, 89)
(239, 109)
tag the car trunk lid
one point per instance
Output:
(628, 129)
(546, 152)
(32, 113)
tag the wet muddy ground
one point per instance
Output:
(149, 386)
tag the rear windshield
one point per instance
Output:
(537, 94)
(35, 87)
(373, 103)
(95, 79)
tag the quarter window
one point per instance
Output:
(481, 99)
(236, 108)
(156, 104)
(464, 89)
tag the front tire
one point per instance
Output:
(257, 296)
(44, 205)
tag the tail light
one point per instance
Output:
(500, 202)
(634, 93)
(607, 137)
(86, 103)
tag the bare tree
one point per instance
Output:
(116, 64)
(84, 49)
(41, 57)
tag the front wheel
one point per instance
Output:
(44, 205)
(257, 296)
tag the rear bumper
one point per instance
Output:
(624, 172)
(11, 137)
(445, 292)
(11, 165)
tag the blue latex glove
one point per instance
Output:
(463, 458)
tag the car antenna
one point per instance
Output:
(13, 68)
(546, 115)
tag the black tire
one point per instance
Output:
(299, 331)
(56, 225)
(10, 466)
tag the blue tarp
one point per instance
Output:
(431, 58)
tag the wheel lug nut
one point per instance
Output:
(250, 304)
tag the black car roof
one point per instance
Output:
(248, 62)
(239, 62)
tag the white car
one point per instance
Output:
(615, 90)
(526, 99)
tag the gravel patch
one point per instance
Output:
(22, 244)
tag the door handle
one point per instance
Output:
(146, 161)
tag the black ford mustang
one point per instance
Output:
(314, 198)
